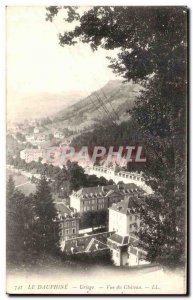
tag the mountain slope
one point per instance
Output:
(111, 102)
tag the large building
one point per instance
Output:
(32, 154)
(101, 197)
(118, 175)
(68, 221)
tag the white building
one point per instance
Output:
(32, 154)
(124, 216)
(36, 130)
(58, 134)
(124, 220)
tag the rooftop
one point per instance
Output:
(123, 240)
(87, 243)
(64, 209)
(128, 206)
(103, 191)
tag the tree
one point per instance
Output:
(152, 45)
(76, 175)
(46, 227)
(20, 136)
(10, 187)
(51, 136)
(18, 224)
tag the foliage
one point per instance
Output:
(19, 216)
(94, 219)
(31, 229)
(20, 136)
(92, 258)
(127, 133)
(46, 228)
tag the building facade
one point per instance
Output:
(68, 222)
(124, 217)
(101, 197)
(117, 176)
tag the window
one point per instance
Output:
(73, 223)
(61, 233)
(67, 224)
(130, 218)
(67, 231)
(73, 230)
(130, 226)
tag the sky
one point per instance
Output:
(39, 68)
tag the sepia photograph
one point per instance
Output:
(96, 150)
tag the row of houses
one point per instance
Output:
(118, 175)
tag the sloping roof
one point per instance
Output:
(99, 191)
(96, 245)
(62, 208)
(80, 244)
(128, 205)
(122, 240)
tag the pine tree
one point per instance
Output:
(18, 223)
(46, 228)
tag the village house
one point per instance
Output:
(101, 197)
(36, 130)
(58, 134)
(68, 221)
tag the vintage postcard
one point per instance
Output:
(96, 138)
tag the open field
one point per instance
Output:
(21, 182)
